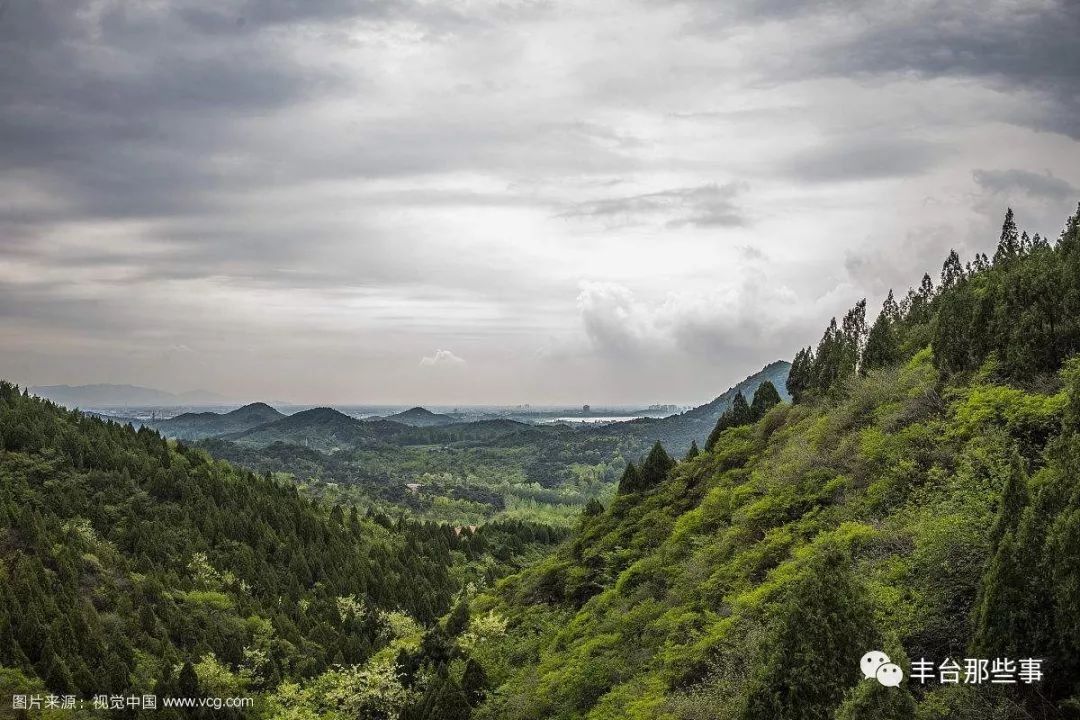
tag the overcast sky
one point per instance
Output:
(499, 202)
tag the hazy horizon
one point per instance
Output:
(502, 202)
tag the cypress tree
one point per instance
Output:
(765, 397)
(871, 699)
(630, 482)
(952, 271)
(1009, 242)
(740, 411)
(474, 682)
(822, 627)
(1014, 498)
(656, 466)
(800, 375)
(458, 620)
(882, 347)
(187, 682)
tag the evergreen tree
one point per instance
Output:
(740, 411)
(882, 345)
(800, 376)
(656, 466)
(187, 682)
(593, 508)
(872, 700)
(999, 627)
(1014, 498)
(822, 627)
(474, 682)
(765, 397)
(952, 271)
(458, 620)
(1009, 242)
(630, 482)
(693, 452)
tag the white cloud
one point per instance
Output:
(442, 358)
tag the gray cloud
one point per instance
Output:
(706, 206)
(376, 179)
(867, 159)
(1035, 185)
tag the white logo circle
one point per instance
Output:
(889, 675)
(871, 661)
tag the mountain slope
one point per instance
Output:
(124, 557)
(676, 432)
(133, 566)
(922, 498)
(195, 426)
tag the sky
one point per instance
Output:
(519, 201)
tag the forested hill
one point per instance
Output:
(678, 432)
(133, 565)
(420, 417)
(193, 426)
(920, 497)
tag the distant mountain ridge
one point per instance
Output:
(329, 430)
(108, 395)
(676, 432)
(420, 417)
(196, 426)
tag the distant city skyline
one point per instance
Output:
(492, 202)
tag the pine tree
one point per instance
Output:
(740, 411)
(593, 508)
(693, 452)
(998, 614)
(952, 271)
(882, 346)
(458, 620)
(1014, 498)
(630, 482)
(765, 397)
(187, 682)
(474, 682)
(1000, 622)
(1009, 243)
(800, 375)
(656, 466)
(870, 699)
(823, 625)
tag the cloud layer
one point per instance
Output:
(612, 201)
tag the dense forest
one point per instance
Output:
(136, 565)
(439, 469)
(921, 496)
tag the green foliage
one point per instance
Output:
(134, 565)
(656, 466)
(872, 700)
(932, 514)
(822, 627)
(764, 398)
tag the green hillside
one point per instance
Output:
(132, 565)
(921, 497)
(463, 472)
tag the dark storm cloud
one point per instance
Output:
(1043, 186)
(118, 112)
(703, 206)
(1019, 46)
